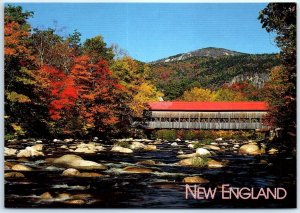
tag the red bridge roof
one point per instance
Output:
(208, 106)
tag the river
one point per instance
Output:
(162, 188)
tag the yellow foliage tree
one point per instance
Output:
(198, 94)
(146, 93)
(225, 94)
(134, 76)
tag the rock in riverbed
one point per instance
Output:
(9, 151)
(8, 165)
(147, 162)
(76, 162)
(195, 162)
(187, 155)
(70, 172)
(273, 151)
(29, 152)
(150, 148)
(137, 145)
(191, 146)
(46, 196)
(174, 144)
(202, 152)
(75, 173)
(133, 169)
(195, 179)
(75, 202)
(214, 164)
(37, 147)
(88, 148)
(13, 175)
(212, 147)
(251, 149)
(121, 149)
(20, 167)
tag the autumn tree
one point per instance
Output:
(225, 94)
(145, 93)
(134, 76)
(277, 87)
(198, 94)
(97, 49)
(52, 49)
(74, 43)
(22, 111)
(245, 91)
(99, 103)
(280, 18)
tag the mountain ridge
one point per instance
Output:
(213, 52)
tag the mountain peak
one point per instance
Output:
(213, 52)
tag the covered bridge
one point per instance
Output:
(206, 115)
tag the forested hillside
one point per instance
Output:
(175, 77)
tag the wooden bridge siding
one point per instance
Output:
(242, 120)
(178, 114)
(197, 125)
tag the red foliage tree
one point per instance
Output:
(62, 92)
(98, 94)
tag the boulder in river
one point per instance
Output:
(46, 196)
(37, 147)
(75, 202)
(212, 147)
(68, 140)
(191, 146)
(133, 169)
(219, 139)
(89, 174)
(157, 142)
(195, 162)
(75, 173)
(150, 148)
(174, 144)
(13, 175)
(273, 151)
(180, 152)
(250, 148)
(82, 196)
(88, 148)
(121, 149)
(202, 152)
(63, 147)
(76, 162)
(20, 167)
(137, 145)
(64, 196)
(185, 162)
(85, 150)
(8, 165)
(214, 164)
(147, 162)
(70, 172)
(9, 151)
(195, 179)
(29, 152)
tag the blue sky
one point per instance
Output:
(152, 31)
